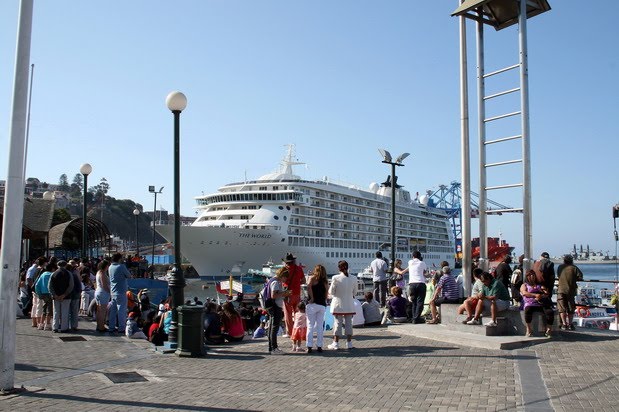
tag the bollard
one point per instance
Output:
(191, 331)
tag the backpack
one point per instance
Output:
(266, 301)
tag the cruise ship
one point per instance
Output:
(245, 224)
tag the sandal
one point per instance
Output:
(433, 322)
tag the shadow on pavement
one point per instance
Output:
(31, 368)
(140, 404)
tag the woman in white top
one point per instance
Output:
(417, 276)
(102, 294)
(342, 290)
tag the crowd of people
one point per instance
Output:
(55, 293)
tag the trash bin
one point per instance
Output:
(190, 331)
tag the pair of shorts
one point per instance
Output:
(501, 305)
(442, 299)
(46, 304)
(102, 297)
(566, 303)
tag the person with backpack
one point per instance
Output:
(274, 295)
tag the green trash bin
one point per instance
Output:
(190, 331)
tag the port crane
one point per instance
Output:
(449, 199)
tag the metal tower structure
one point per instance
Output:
(501, 14)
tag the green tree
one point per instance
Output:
(76, 186)
(60, 216)
(63, 183)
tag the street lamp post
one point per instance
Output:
(136, 213)
(398, 162)
(152, 190)
(50, 196)
(85, 170)
(176, 102)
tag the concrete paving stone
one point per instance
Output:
(432, 374)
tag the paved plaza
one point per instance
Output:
(390, 369)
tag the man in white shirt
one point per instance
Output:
(417, 274)
(379, 272)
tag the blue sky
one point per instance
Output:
(338, 79)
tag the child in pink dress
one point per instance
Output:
(299, 328)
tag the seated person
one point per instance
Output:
(371, 310)
(212, 325)
(494, 296)
(233, 330)
(446, 291)
(430, 286)
(156, 333)
(396, 306)
(132, 328)
(471, 302)
(260, 331)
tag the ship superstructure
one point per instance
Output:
(248, 223)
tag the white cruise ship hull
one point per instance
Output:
(216, 251)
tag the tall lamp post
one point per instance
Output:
(176, 102)
(50, 196)
(152, 190)
(136, 213)
(85, 170)
(398, 162)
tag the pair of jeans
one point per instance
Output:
(118, 312)
(74, 312)
(276, 314)
(61, 314)
(380, 292)
(315, 321)
(417, 295)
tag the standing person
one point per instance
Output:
(293, 283)
(102, 293)
(76, 296)
(536, 300)
(566, 293)
(398, 274)
(60, 287)
(276, 312)
(299, 331)
(118, 286)
(545, 271)
(503, 271)
(342, 290)
(41, 288)
(417, 274)
(379, 277)
(315, 309)
(29, 304)
(32, 276)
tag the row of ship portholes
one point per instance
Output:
(282, 208)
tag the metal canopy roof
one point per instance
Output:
(499, 13)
